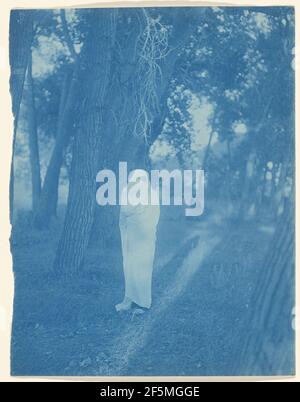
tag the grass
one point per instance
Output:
(196, 325)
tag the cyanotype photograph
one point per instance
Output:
(152, 191)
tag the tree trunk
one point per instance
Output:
(33, 141)
(49, 198)
(105, 229)
(228, 182)
(248, 190)
(126, 109)
(21, 35)
(207, 151)
(93, 74)
(122, 145)
(279, 196)
(269, 345)
(117, 126)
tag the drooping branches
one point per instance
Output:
(152, 49)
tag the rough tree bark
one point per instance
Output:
(118, 121)
(93, 74)
(271, 319)
(105, 228)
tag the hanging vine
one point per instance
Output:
(152, 48)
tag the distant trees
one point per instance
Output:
(156, 64)
(47, 207)
(26, 30)
(49, 198)
(113, 83)
(240, 62)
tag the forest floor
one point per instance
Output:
(204, 277)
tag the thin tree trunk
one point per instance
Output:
(33, 141)
(260, 194)
(207, 151)
(228, 179)
(94, 73)
(280, 188)
(49, 197)
(247, 192)
(21, 35)
(67, 36)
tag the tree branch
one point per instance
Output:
(67, 35)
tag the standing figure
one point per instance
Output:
(138, 226)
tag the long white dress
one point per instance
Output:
(138, 225)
